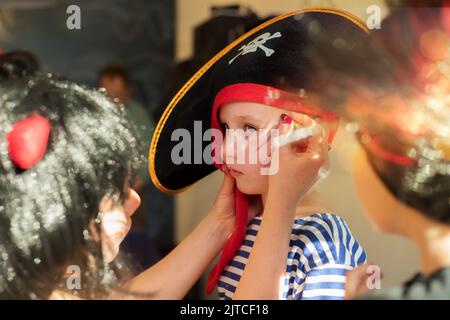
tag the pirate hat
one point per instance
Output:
(290, 52)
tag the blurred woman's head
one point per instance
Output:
(49, 208)
(400, 105)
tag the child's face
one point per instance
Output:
(252, 119)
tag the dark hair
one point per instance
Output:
(48, 213)
(114, 70)
(20, 63)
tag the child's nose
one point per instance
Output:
(228, 151)
(131, 203)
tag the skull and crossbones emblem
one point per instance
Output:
(257, 43)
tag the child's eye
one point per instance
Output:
(249, 129)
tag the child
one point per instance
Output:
(257, 84)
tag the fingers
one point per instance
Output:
(285, 128)
(317, 147)
(302, 119)
(360, 280)
(355, 280)
(329, 126)
(228, 183)
(301, 138)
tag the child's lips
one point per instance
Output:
(234, 173)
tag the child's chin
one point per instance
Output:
(248, 188)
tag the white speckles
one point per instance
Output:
(10, 274)
(36, 225)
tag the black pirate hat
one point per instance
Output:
(290, 53)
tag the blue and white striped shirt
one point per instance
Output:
(322, 250)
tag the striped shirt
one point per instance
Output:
(322, 250)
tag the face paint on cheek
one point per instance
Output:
(235, 147)
(251, 152)
(261, 147)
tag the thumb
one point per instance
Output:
(227, 187)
